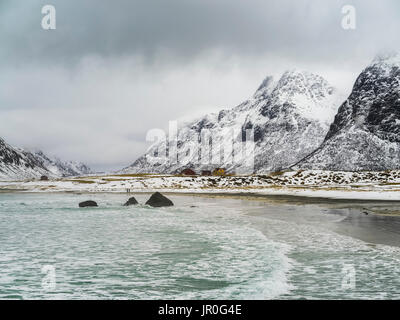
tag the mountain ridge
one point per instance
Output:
(280, 113)
(17, 163)
(365, 134)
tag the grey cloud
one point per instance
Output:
(114, 69)
(303, 28)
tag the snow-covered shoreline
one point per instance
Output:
(316, 184)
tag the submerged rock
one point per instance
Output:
(89, 203)
(158, 200)
(131, 202)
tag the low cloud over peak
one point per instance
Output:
(114, 69)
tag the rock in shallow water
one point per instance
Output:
(89, 203)
(158, 200)
(131, 202)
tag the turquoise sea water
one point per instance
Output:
(199, 249)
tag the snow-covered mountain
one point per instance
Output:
(365, 134)
(61, 168)
(288, 120)
(17, 164)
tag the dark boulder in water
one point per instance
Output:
(131, 201)
(158, 200)
(89, 203)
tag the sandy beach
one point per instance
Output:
(308, 184)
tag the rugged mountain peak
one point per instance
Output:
(289, 119)
(16, 163)
(296, 79)
(305, 93)
(365, 134)
(61, 168)
(388, 59)
(374, 101)
(265, 88)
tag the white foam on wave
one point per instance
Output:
(250, 265)
(211, 251)
(320, 258)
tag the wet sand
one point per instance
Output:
(375, 222)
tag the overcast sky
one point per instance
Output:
(112, 70)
